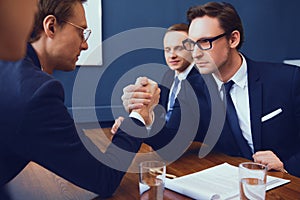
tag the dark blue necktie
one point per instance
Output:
(232, 120)
(172, 98)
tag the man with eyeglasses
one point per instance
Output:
(59, 38)
(261, 100)
(35, 124)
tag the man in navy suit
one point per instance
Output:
(265, 96)
(181, 67)
(35, 124)
(179, 62)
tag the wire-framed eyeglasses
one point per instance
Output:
(85, 31)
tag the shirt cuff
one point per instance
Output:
(137, 116)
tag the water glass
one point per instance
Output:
(252, 181)
(152, 180)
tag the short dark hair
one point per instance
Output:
(228, 17)
(61, 9)
(179, 27)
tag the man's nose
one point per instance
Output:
(84, 45)
(197, 52)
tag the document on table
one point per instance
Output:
(219, 182)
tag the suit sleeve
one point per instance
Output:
(50, 139)
(292, 164)
(171, 139)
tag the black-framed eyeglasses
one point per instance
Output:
(203, 44)
(85, 32)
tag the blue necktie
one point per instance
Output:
(172, 98)
(232, 119)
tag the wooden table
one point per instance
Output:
(37, 183)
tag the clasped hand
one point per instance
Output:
(141, 97)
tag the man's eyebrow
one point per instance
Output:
(178, 46)
(204, 38)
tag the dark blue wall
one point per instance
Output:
(272, 33)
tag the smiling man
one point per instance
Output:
(180, 63)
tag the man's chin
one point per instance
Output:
(205, 70)
(69, 68)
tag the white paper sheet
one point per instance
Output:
(219, 182)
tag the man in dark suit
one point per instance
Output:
(35, 124)
(182, 71)
(179, 62)
(262, 110)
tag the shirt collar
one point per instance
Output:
(240, 77)
(181, 76)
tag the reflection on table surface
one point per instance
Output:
(37, 183)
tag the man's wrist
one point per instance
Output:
(138, 116)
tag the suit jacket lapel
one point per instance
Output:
(167, 82)
(165, 87)
(255, 102)
(194, 79)
(193, 72)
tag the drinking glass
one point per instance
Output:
(252, 181)
(152, 180)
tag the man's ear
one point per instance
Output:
(50, 25)
(235, 39)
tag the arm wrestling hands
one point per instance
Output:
(140, 97)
